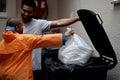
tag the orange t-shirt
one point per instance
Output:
(16, 53)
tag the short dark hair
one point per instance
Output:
(30, 3)
(13, 22)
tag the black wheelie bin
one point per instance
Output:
(96, 68)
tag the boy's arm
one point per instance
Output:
(49, 40)
(41, 41)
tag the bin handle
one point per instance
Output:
(100, 18)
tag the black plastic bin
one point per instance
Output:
(96, 68)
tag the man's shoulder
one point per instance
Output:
(41, 20)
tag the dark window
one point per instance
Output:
(2, 5)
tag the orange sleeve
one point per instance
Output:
(47, 40)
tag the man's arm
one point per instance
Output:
(64, 22)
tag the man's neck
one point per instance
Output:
(27, 21)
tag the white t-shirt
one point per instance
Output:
(36, 26)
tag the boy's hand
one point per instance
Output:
(69, 32)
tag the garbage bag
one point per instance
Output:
(75, 51)
(55, 64)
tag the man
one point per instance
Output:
(16, 50)
(38, 26)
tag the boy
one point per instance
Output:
(16, 50)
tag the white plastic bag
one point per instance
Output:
(75, 51)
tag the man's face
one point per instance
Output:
(26, 12)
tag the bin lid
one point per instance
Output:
(93, 26)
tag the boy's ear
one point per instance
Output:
(17, 28)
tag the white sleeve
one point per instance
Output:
(45, 25)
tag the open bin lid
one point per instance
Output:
(97, 35)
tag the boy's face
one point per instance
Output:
(20, 27)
